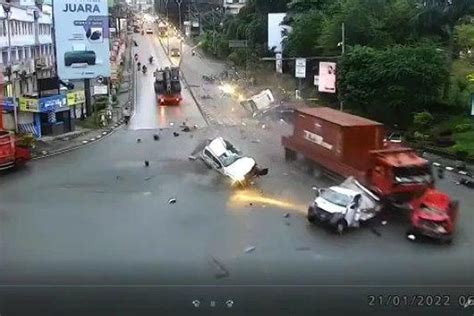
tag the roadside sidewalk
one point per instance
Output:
(218, 107)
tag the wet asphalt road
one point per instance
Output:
(92, 230)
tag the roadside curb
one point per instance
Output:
(452, 169)
(203, 114)
(102, 134)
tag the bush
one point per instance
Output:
(462, 128)
(423, 119)
(420, 136)
(461, 154)
(445, 141)
(445, 132)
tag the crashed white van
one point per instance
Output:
(345, 205)
(221, 155)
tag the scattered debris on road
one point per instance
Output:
(467, 183)
(171, 124)
(44, 152)
(384, 223)
(138, 140)
(118, 178)
(172, 200)
(303, 248)
(264, 126)
(148, 178)
(186, 129)
(286, 215)
(256, 141)
(147, 163)
(412, 237)
(249, 249)
(156, 137)
(192, 157)
(222, 270)
(375, 231)
(175, 134)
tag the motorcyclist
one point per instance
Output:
(139, 64)
(193, 52)
(144, 69)
(150, 59)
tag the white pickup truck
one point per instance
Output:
(345, 205)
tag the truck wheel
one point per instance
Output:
(341, 226)
(290, 155)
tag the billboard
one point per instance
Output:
(276, 31)
(82, 38)
(327, 77)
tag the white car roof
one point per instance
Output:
(344, 191)
(217, 146)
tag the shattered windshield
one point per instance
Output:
(335, 197)
(228, 158)
(413, 174)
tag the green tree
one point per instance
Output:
(464, 36)
(390, 84)
(303, 39)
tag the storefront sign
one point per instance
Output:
(100, 90)
(7, 104)
(29, 105)
(76, 97)
(46, 104)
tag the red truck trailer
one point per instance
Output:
(11, 154)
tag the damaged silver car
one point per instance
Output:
(345, 205)
(219, 154)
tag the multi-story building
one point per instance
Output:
(27, 48)
(27, 51)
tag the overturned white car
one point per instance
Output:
(221, 155)
(345, 205)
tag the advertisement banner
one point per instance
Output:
(327, 77)
(277, 31)
(300, 68)
(82, 38)
(76, 97)
(52, 103)
(29, 105)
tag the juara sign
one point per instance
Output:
(72, 7)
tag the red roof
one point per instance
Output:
(403, 158)
(338, 117)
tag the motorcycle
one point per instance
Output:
(144, 69)
(150, 60)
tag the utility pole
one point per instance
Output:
(178, 2)
(7, 10)
(167, 27)
(343, 50)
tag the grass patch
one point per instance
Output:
(88, 122)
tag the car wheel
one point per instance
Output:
(341, 226)
(311, 218)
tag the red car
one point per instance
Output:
(434, 215)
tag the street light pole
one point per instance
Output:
(7, 10)
(167, 27)
(343, 50)
(178, 2)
